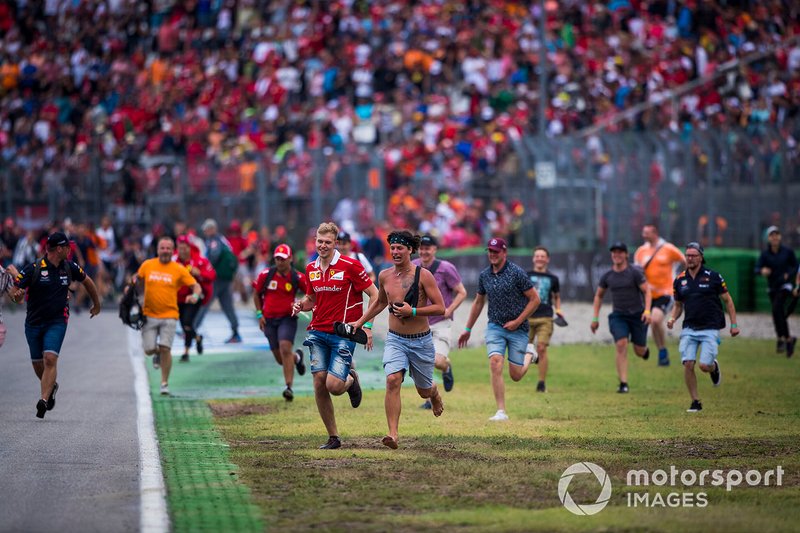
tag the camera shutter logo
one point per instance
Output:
(589, 508)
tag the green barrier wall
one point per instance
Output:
(737, 267)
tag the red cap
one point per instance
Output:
(182, 239)
(283, 251)
(496, 244)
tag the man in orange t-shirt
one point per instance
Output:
(658, 258)
(161, 278)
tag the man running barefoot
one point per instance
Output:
(409, 344)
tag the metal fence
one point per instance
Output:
(722, 186)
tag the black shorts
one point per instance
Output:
(280, 329)
(662, 302)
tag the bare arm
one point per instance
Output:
(436, 308)
(376, 305)
(90, 287)
(557, 302)
(598, 300)
(474, 313)
(648, 301)
(726, 298)
(677, 311)
(458, 299)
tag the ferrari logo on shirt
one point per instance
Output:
(314, 276)
(288, 287)
(337, 275)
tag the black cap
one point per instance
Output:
(695, 246)
(343, 236)
(619, 245)
(57, 239)
(428, 240)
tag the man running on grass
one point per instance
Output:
(406, 288)
(336, 285)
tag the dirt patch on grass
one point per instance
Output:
(227, 410)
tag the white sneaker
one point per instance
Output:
(499, 416)
(165, 389)
(533, 353)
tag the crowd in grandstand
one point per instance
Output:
(443, 88)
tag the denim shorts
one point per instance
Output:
(706, 339)
(280, 329)
(45, 338)
(498, 339)
(413, 354)
(628, 325)
(330, 353)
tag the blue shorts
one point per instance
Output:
(415, 354)
(280, 329)
(330, 353)
(498, 339)
(628, 325)
(707, 340)
(45, 338)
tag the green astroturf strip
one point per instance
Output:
(203, 492)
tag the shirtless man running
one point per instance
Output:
(409, 344)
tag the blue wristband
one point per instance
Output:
(413, 311)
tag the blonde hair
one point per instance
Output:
(328, 227)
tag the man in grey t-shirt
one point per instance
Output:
(631, 299)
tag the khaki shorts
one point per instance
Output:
(540, 328)
(442, 333)
(158, 332)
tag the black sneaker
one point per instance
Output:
(354, 391)
(426, 405)
(41, 407)
(780, 347)
(447, 378)
(790, 346)
(300, 365)
(157, 361)
(623, 388)
(716, 374)
(51, 401)
(199, 343)
(540, 387)
(332, 444)
(185, 358)
(696, 406)
(288, 395)
(646, 355)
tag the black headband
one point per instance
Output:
(399, 238)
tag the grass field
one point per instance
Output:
(463, 472)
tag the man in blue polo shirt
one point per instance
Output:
(699, 289)
(47, 281)
(512, 299)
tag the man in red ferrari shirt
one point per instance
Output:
(336, 285)
(273, 294)
(201, 270)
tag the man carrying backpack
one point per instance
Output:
(225, 263)
(274, 294)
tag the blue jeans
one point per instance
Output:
(330, 353)
(706, 339)
(45, 338)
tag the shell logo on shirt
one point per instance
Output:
(314, 276)
(273, 285)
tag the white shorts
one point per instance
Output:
(158, 332)
(442, 334)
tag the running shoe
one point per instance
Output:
(51, 401)
(696, 406)
(332, 444)
(499, 416)
(41, 407)
(716, 374)
(299, 364)
(288, 395)
(447, 378)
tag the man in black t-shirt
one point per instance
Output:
(541, 321)
(631, 299)
(47, 282)
(698, 290)
(779, 264)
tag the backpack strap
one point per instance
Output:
(434, 266)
